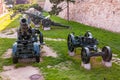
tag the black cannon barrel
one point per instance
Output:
(48, 23)
(58, 24)
(23, 21)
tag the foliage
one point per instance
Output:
(21, 7)
(36, 6)
(9, 2)
(56, 1)
(55, 8)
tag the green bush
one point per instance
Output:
(57, 9)
(21, 7)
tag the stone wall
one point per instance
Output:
(41, 4)
(47, 5)
(99, 13)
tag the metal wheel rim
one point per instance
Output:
(84, 56)
(70, 45)
(107, 54)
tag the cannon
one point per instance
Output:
(45, 21)
(89, 48)
(26, 32)
(36, 19)
(28, 44)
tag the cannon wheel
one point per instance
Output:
(46, 22)
(15, 60)
(88, 34)
(69, 43)
(85, 55)
(37, 59)
(107, 54)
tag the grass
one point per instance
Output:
(14, 23)
(68, 68)
(64, 67)
(7, 23)
(5, 44)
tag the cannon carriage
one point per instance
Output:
(89, 49)
(28, 44)
(25, 49)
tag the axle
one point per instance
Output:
(96, 54)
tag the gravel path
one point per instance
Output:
(23, 73)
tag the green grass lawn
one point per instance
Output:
(68, 68)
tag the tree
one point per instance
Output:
(9, 2)
(23, 7)
(55, 9)
(36, 6)
(20, 7)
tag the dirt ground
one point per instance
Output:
(23, 73)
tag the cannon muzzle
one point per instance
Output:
(23, 21)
